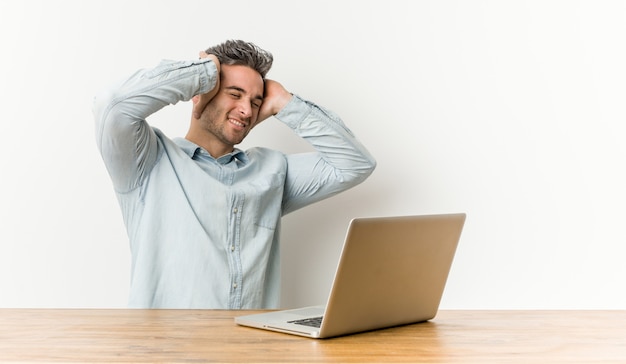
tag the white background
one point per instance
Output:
(510, 111)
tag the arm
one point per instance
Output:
(339, 163)
(127, 143)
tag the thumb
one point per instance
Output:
(197, 110)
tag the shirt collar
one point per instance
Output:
(192, 150)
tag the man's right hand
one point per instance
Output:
(200, 101)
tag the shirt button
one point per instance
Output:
(232, 248)
(235, 210)
(234, 285)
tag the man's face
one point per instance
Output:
(233, 112)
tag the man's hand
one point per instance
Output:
(200, 101)
(275, 98)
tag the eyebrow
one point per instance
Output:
(237, 88)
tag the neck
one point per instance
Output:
(208, 142)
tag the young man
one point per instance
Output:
(203, 217)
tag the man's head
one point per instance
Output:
(238, 52)
(232, 109)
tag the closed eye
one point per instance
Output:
(237, 93)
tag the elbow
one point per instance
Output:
(360, 173)
(369, 164)
(101, 106)
(369, 169)
(372, 165)
(111, 120)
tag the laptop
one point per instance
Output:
(392, 271)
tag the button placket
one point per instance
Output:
(236, 266)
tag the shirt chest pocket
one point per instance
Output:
(262, 201)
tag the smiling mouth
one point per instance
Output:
(237, 123)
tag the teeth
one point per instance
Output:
(237, 122)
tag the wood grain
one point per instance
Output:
(196, 336)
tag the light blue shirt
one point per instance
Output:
(204, 232)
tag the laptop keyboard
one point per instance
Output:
(310, 321)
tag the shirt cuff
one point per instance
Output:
(294, 112)
(208, 79)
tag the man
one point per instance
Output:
(203, 217)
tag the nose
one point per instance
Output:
(245, 109)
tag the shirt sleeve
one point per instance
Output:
(127, 143)
(339, 162)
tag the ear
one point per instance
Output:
(203, 54)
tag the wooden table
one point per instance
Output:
(193, 336)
